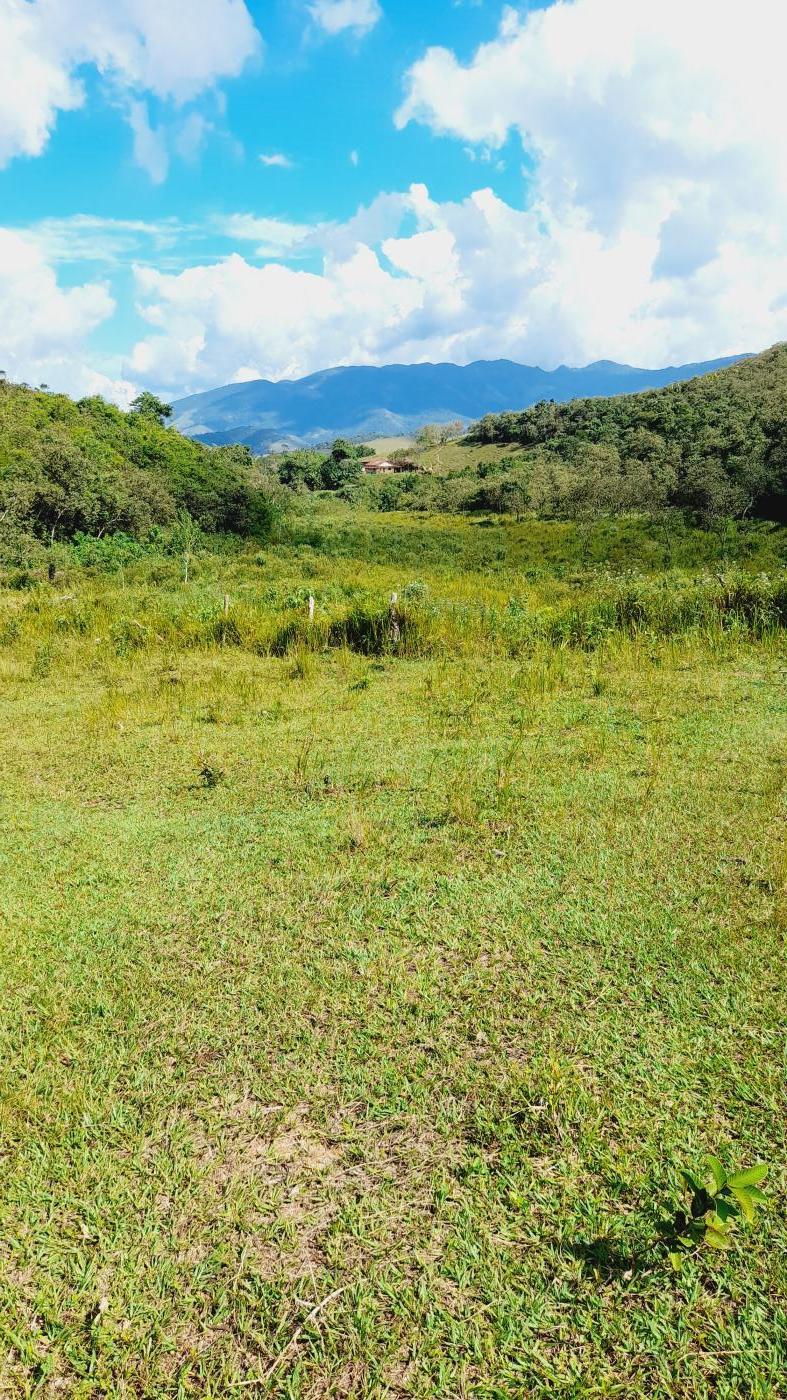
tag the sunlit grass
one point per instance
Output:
(357, 1006)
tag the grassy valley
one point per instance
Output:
(370, 977)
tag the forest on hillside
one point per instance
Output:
(715, 445)
(69, 469)
(711, 450)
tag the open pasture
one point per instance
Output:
(362, 999)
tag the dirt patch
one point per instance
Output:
(322, 1200)
(260, 1142)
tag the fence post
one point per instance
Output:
(311, 607)
(396, 631)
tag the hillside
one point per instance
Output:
(69, 467)
(718, 438)
(393, 400)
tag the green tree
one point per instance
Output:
(339, 470)
(146, 405)
(302, 470)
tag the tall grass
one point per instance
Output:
(124, 619)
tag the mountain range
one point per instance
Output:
(366, 401)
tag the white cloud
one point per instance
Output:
(277, 159)
(630, 109)
(34, 83)
(410, 279)
(138, 46)
(658, 204)
(334, 16)
(45, 326)
(88, 238)
(150, 148)
(190, 136)
(215, 321)
(274, 237)
(654, 228)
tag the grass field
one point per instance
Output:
(463, 456)
(390, 444)
(361, 1004)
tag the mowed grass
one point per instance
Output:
(359, 1014)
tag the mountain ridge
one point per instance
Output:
(359, 401)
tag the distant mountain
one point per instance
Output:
(365, 401)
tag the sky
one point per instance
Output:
(193, 194)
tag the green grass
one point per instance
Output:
(463, 456)
(390, 444)
(357, 1009)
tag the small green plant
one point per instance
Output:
(716, 1203)
(210, 776)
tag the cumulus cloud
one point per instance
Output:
(34, 83)
(659, 193)
(334, 16)
(138, 46)
(652, 228)
(277, 159)
(215, 321)
(633, 112)
(45, 326)
(412, 279)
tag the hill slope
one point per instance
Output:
(720, 438)
(369, 401)
(69, 468)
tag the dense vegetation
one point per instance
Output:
(87, 468)
(309, 469)
(714, 446)
(708, 453)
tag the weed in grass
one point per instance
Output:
(210, 775)
(716, 1204)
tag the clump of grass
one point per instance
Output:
(302, 662)
(42, 661)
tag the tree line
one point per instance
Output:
(715, 446)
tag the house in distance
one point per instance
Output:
(383, 466)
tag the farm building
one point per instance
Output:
(382, 466)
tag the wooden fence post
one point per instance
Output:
(396, 630)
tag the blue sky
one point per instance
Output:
(264, 188)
